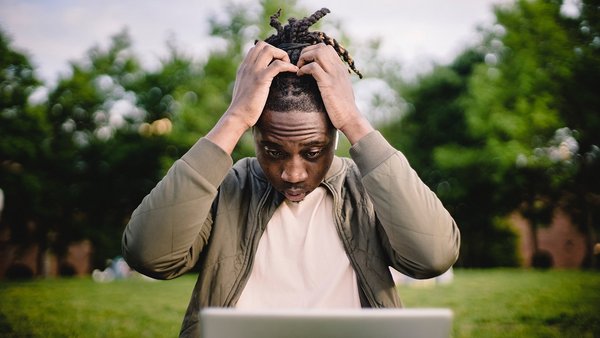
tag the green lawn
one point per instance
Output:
(517, 303)
(486, 303)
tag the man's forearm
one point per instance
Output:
(227, 132)
(422, 234)
(357, 129)
(167, 231)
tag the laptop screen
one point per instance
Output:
(326, 323)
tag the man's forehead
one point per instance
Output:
(293, 119)
(299, 127)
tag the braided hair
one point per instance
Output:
(295, 35)
(289, 92)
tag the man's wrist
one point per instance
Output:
(357, 129)
(227, 132)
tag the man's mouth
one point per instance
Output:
(294, 195)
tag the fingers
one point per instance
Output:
(322, 62)
(259, 48)
(323, 54)
(279, 66)
(253, 79)
(264, 55)
(313, 69)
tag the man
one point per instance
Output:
(296, 226)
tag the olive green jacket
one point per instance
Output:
(206, 212)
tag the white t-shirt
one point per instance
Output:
(300, 261)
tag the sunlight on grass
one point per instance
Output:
(81, 307)
(486, 303)
(516, 303)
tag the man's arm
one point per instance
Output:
(323, 63)
(172, 224)
(423, 238)
(262, 63)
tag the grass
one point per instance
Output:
(75, 307)
(517, 303)
(486, 303)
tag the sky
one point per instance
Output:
(54, 32)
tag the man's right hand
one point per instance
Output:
(253, 80)
(254, 76)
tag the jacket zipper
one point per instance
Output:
(248, 262)
(338, 224)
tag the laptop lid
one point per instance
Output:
(321, 323)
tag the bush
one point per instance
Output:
(542, 260)
(19, 271)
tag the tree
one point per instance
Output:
(435, 123)
(22, 144)
(517, 131)
(540, 113)
(579, 108)
(512, 108)
(207, 94)
(99, 165)
(107, 133)
(110, 129)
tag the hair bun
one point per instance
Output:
(295, 35)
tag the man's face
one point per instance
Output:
(295, 150)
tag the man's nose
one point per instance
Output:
(294, 171)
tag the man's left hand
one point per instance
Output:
(324, 64)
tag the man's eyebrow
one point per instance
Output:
(270, 144)
(314, 144)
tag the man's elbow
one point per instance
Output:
(445, 253)
(143, 262)
(438, 259)
(436, 267)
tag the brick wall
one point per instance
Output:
(565, 243)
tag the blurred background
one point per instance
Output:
(495, 104)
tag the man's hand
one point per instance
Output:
(253, 80)
(323, 63)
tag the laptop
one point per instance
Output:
(322, 323)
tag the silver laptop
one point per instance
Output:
(350, 323)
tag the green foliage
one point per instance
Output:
(511, 124)
(76, 166)
(100, 165)
(512, 102)
(579, 105)
(435, 137)
(23, 131)
(519, 107)
(501, 128)
(206, 94)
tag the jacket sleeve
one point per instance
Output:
(422, 237)
(172, 224)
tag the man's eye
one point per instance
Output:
(312, 154)
(274, 153)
